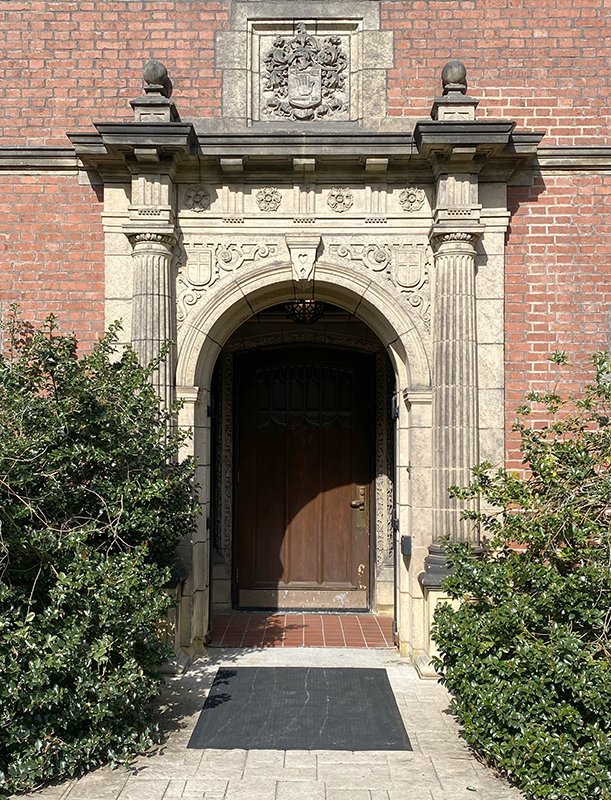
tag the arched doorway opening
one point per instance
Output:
(302, 501)
(388, 317)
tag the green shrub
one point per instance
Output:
(92, 504)
(525, 646)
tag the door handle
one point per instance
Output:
(360, 503)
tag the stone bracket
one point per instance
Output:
(303, 250)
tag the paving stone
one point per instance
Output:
(200, 785)
(300, 758)
(274, 773)
(259, 789)
(440, 767)
(264, 758)
(143, 789)
(415, 793)
(365, 777)
(334, 793)
(308, 790)
(50, 793)
(80, 792)
(175, 789)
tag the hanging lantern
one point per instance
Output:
(304, 311)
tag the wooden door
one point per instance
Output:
(303, 480)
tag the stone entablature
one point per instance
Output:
(333, 202)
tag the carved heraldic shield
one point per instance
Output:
(305, 79)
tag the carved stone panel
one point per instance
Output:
(202, 263)
(305, 77)
(406, 263)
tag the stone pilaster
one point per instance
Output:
(455, 412)
(154, 307)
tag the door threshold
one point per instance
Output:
(302, 629)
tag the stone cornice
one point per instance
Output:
(38, 159)
(591, 157)
(93, 150)
(491, 148)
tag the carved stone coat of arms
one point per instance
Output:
(304, 78)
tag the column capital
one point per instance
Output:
(444, 240)
(166, 239)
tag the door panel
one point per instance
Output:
(304, 456)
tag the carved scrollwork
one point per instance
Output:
(197, 198)
(340, 199)
(205, 263)
(376, 257)
(406, 263)
(269, 198)
(304, 78)
(467, 237)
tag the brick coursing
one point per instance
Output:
(64, 65)
(543, 63)
(557, 284)
(52, 251)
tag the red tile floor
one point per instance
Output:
(254, 629)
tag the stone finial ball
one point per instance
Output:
(454, 72)
(155, 73)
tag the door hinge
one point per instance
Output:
(394, 407)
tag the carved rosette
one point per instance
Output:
(268, 199)
(412, 198)
(305, 78)
(340, 199)
(197, 199)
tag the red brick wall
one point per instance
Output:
(544, 63)
(52, 251)
(557, 284)
(66, 64)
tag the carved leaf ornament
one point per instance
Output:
(304, 79)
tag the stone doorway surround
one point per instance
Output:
(206, 225)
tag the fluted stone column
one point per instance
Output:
(154, 308)
(455, 412)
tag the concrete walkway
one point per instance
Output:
(439, 768)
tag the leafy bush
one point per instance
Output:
(92, 503)
(525, 646)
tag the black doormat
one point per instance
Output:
(297, 708)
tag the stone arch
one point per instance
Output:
(200, 341)
(224, 310)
